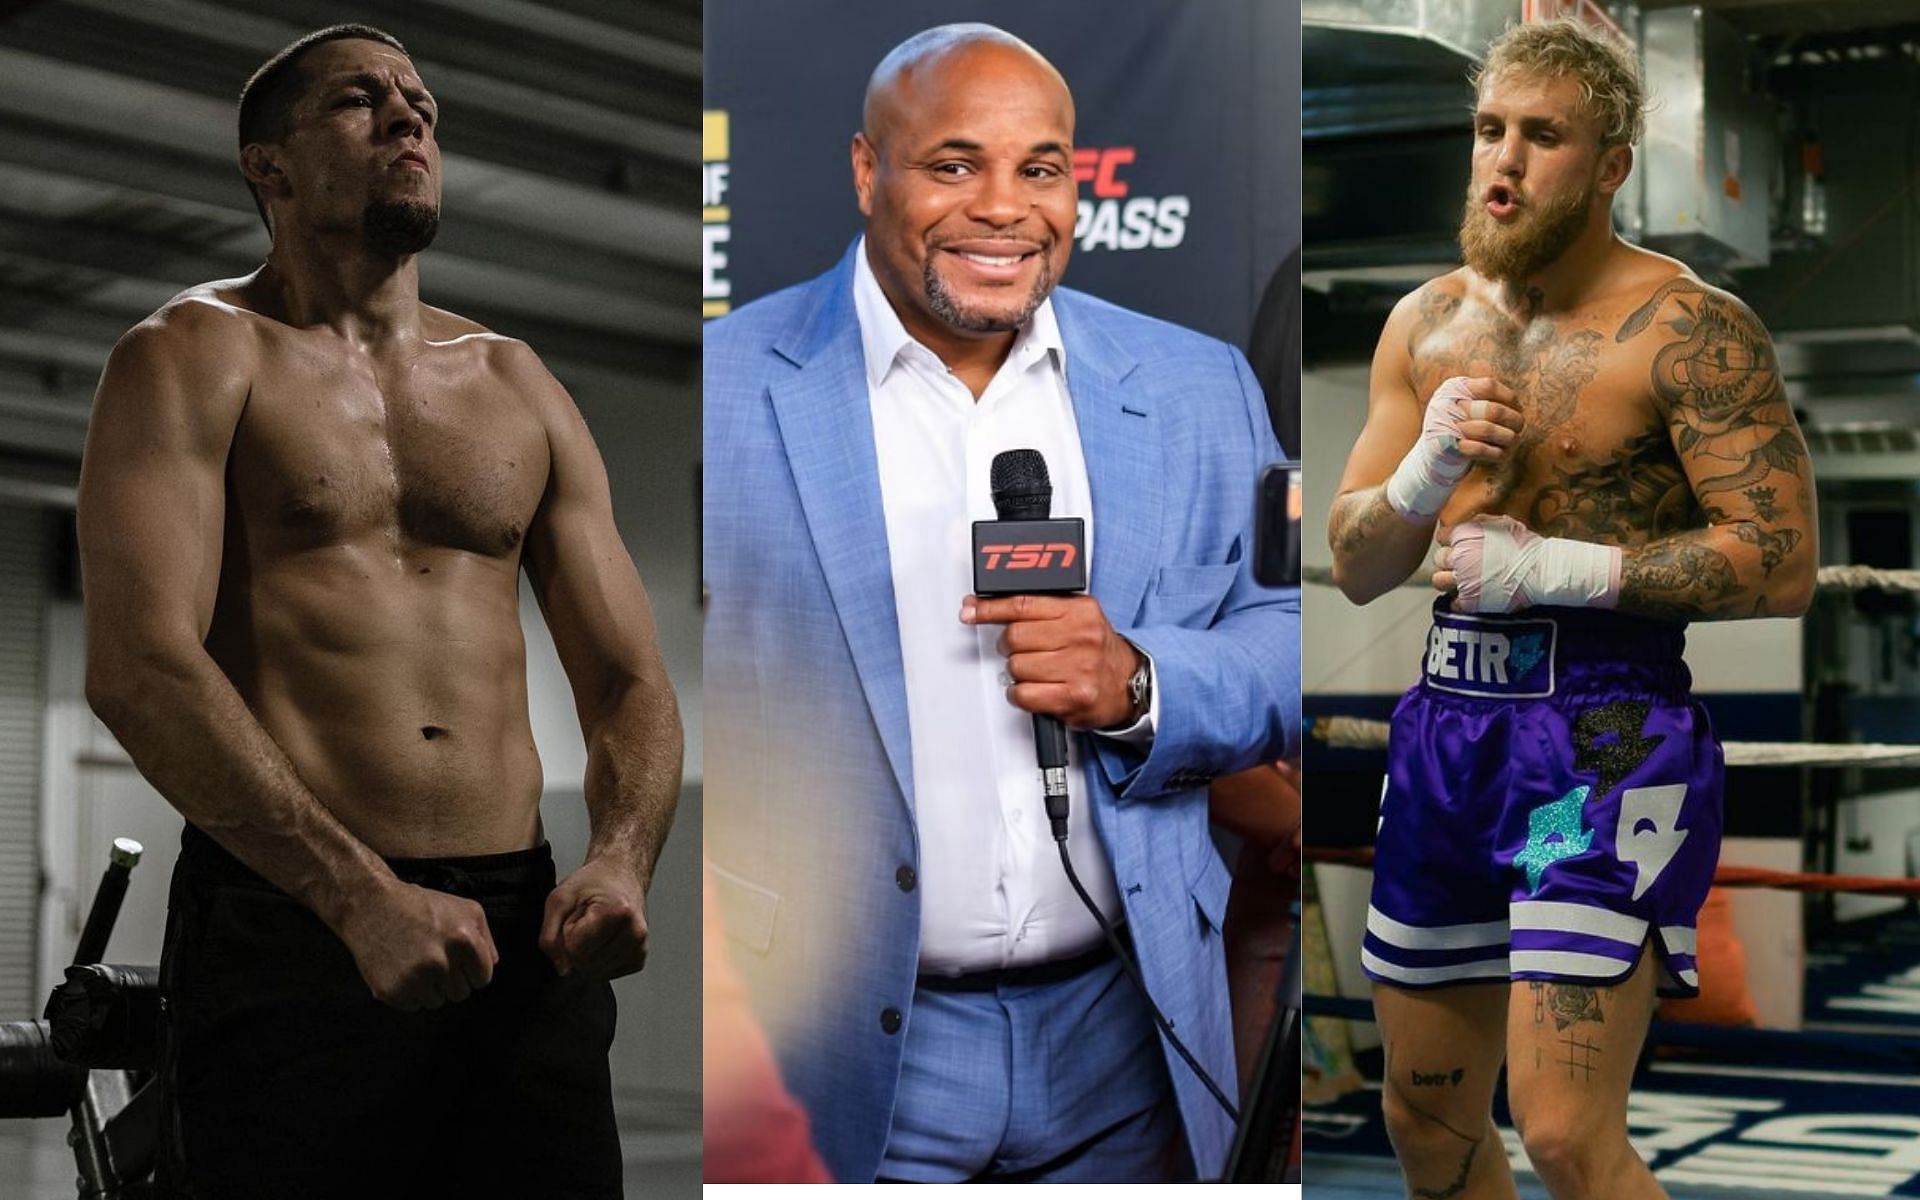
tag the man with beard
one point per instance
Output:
(1604, 443)
(304, 506)
(940, 999)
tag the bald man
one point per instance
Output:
(941, 999)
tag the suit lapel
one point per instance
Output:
(827, 427)
(1120, 437)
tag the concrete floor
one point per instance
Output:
(659, 1139)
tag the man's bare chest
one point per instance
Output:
(436, 452)
(1569, 375)
(1594, 458)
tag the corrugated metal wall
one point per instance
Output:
(25, 547)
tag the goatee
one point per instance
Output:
(400, 227)
(1514, 252)
(949, 309)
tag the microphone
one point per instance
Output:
(1027, 552)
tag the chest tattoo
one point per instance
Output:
(1545, 365)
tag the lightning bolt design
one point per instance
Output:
(1526, 651)
(1608, 742)
(1554, 831)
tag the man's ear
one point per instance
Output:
(866, 159)
(260, 164)
(1616, 163)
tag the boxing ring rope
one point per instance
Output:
(1357, 733)
(1831, 579)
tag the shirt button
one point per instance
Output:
(1016, 814)
(1006, 679)
(905, 878)
(890, 1020)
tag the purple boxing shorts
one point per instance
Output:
(1552, 805)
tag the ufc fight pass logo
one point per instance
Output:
(1115, 219)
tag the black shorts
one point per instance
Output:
(283, 1077)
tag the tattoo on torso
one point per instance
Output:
(1594, 462)
(1642, 431)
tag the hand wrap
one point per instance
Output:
(1426, 477)
(1499, 565)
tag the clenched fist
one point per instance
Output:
(596, 922)
(418, 948)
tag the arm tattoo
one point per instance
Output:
(1762, 501)
(1718, 383)
(1360, 515)
(1678, 578)
(1774, 547)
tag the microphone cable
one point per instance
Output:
(1022, 500)
(1056, 802)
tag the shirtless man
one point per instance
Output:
(1605, 445)
(304, 506)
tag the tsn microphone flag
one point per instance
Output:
(1033, 557)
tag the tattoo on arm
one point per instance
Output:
(1774, 547)
(1762, 501)
(1677, 577)
(1360, 516)
(1718, 383)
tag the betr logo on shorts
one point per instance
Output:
(1474, 658)
(1469, 654)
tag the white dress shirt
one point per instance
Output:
(992, 892)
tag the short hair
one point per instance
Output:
(266, 102)
(1604, 66)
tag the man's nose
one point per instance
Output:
(1512, 159)
(399, 119)
(1001, 198)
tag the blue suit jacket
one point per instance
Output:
(809, 786)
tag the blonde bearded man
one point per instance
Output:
(1600, 443)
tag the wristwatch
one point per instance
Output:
(1140, 685)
